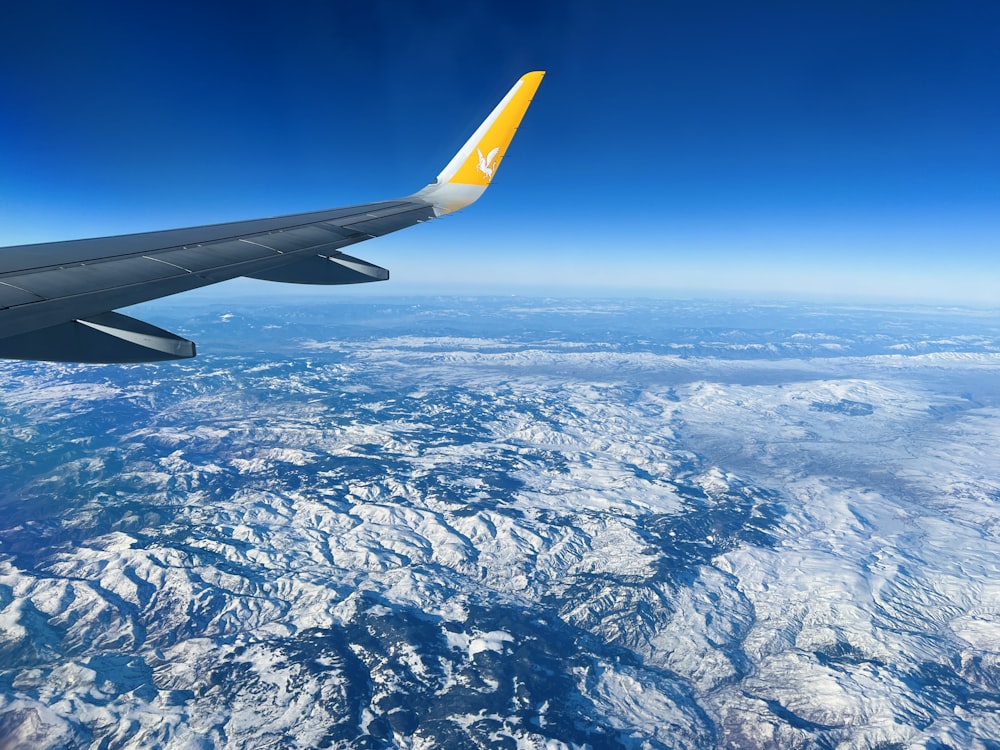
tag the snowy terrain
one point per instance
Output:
(509, 523)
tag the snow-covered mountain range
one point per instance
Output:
(509, 523)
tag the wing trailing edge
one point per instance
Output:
(57, 299)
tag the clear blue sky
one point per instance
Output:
(834, 149)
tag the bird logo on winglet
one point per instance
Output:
(486, 163)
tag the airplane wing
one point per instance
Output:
(57, 300)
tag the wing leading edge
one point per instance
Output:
(57, 299)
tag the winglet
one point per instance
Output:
(471, 170)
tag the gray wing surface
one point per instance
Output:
(57, 300)
(66, 283)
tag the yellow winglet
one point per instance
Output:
(482, 153)
(472, 169)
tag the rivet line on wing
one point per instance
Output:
(261, 244)
(168, 263)
(15, 286)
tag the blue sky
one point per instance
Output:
(813, 150)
